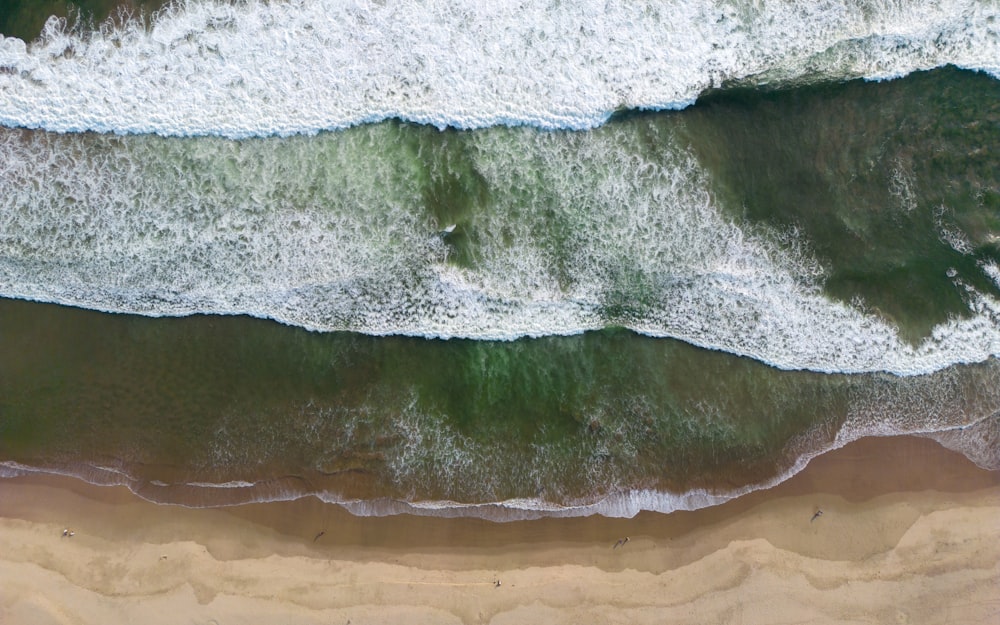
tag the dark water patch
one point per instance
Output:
(24, 19)
(895, 185)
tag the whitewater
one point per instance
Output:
(278, 68)
(137, 226)
(576, 232)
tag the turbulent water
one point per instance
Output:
(646, 308)
(260, 68)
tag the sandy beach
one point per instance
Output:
(908, 534)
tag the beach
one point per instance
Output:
(907, 534)
(453, 312)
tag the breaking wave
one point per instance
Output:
(560, 235)
(260, 68)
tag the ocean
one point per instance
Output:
(526, 260)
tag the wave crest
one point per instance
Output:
(280, 68)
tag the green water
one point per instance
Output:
(877, 176)
(24, 19)
(890, 190)
(883, 196)
(564, 418)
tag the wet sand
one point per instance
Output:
(908, 534)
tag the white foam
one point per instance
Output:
(992, 270)
(230, 484)
(9, 468)
(621, 505)
(957, 408)
(979, 442)
(319, 233)
(263, 68)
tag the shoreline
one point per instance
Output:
(294, 489)
(906, 524)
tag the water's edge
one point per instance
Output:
(620, 505)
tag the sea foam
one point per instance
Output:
(331, 233)
(278, 68)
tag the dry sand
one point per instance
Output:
(909, 534)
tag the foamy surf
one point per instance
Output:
(280, 68)
(326, 234)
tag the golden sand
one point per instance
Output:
(910, 533)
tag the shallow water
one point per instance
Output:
(565, 421)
